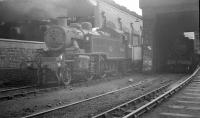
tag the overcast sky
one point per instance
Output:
(132, 5)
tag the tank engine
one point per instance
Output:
(79, 50)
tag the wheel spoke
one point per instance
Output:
(65, 76)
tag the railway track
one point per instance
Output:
(59, 111)
(13, 89)
(184, 104)
(137, 107)
(12, 93)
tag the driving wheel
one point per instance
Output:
(64, 75)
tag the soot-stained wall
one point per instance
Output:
(163, 22)
(169, 28)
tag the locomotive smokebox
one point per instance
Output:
(57, 37)
(62, 21)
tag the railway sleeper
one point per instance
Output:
(154, 104)
(141, 112)
(19, 95)
(119, 112)
(6, 98)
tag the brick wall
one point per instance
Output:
(112, 14)
(12, 53)
(153, 3)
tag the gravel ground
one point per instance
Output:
(27, 105)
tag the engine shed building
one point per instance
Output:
(164, 21)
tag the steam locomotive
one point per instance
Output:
(80, 51)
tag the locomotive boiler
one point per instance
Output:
(80, 51)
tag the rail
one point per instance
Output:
(159, 99)
(136, 107)
(134, 101)
(22, 91)
(13, 89)
(40, 114)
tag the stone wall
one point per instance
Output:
(149, 21)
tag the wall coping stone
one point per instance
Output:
(21, 41)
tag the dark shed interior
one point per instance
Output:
(172, 51)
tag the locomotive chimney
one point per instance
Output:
(62, 21)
